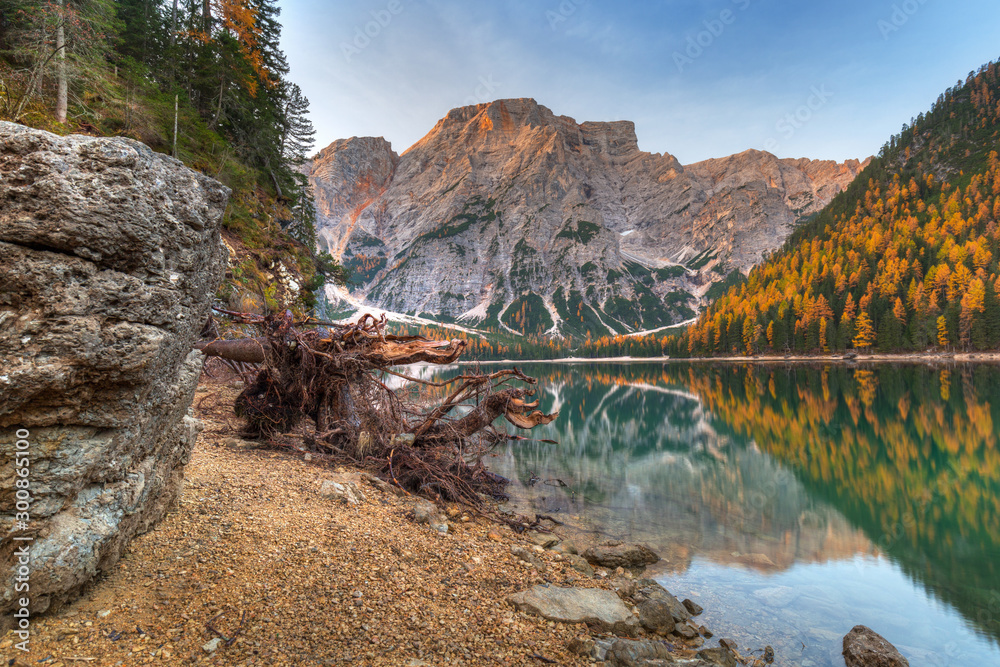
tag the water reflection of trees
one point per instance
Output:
(908, 453)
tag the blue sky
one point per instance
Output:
(829, 79)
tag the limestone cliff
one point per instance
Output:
(109, 257)
(506, 214)
(347, 177)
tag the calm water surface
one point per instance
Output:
(792, 502)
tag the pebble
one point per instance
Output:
(211, 646)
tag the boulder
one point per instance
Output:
(620, 555)
(567, 548)
(648, 589)
(642, 653)
(692, 607)
(544, 540)
(602, 610)
(110, 254)
(863, 647)
(581, 645)
(655, 616)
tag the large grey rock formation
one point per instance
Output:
(507, 213)
(109, 256)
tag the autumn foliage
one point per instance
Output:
(905, 259)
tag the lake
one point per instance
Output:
(792, 501)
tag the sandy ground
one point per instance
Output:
(295, 578)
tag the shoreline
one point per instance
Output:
(916, 357)
(260, 535)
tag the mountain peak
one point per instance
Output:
(505, 119)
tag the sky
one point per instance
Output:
(823, 79)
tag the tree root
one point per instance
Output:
(331, 379)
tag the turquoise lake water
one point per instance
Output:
(791, 501)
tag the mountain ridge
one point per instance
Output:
(510, 216)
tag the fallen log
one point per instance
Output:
(246, 350)
(383, 354)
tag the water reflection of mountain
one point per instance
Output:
(643, 458)
(908, 454)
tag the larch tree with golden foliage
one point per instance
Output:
(864, 337)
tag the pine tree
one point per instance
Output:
(297, 133)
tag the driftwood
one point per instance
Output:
(330, 381)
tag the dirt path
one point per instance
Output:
(315, 581)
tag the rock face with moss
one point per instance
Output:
(109, 257)
(506, 214)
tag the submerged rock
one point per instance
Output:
(599, 609)
(722, 656)
(109, 257)
(863, 647)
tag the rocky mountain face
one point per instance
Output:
(508, 215)
(348, 176)
(110, 255)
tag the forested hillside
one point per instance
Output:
(904, 259)
(205, 81)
